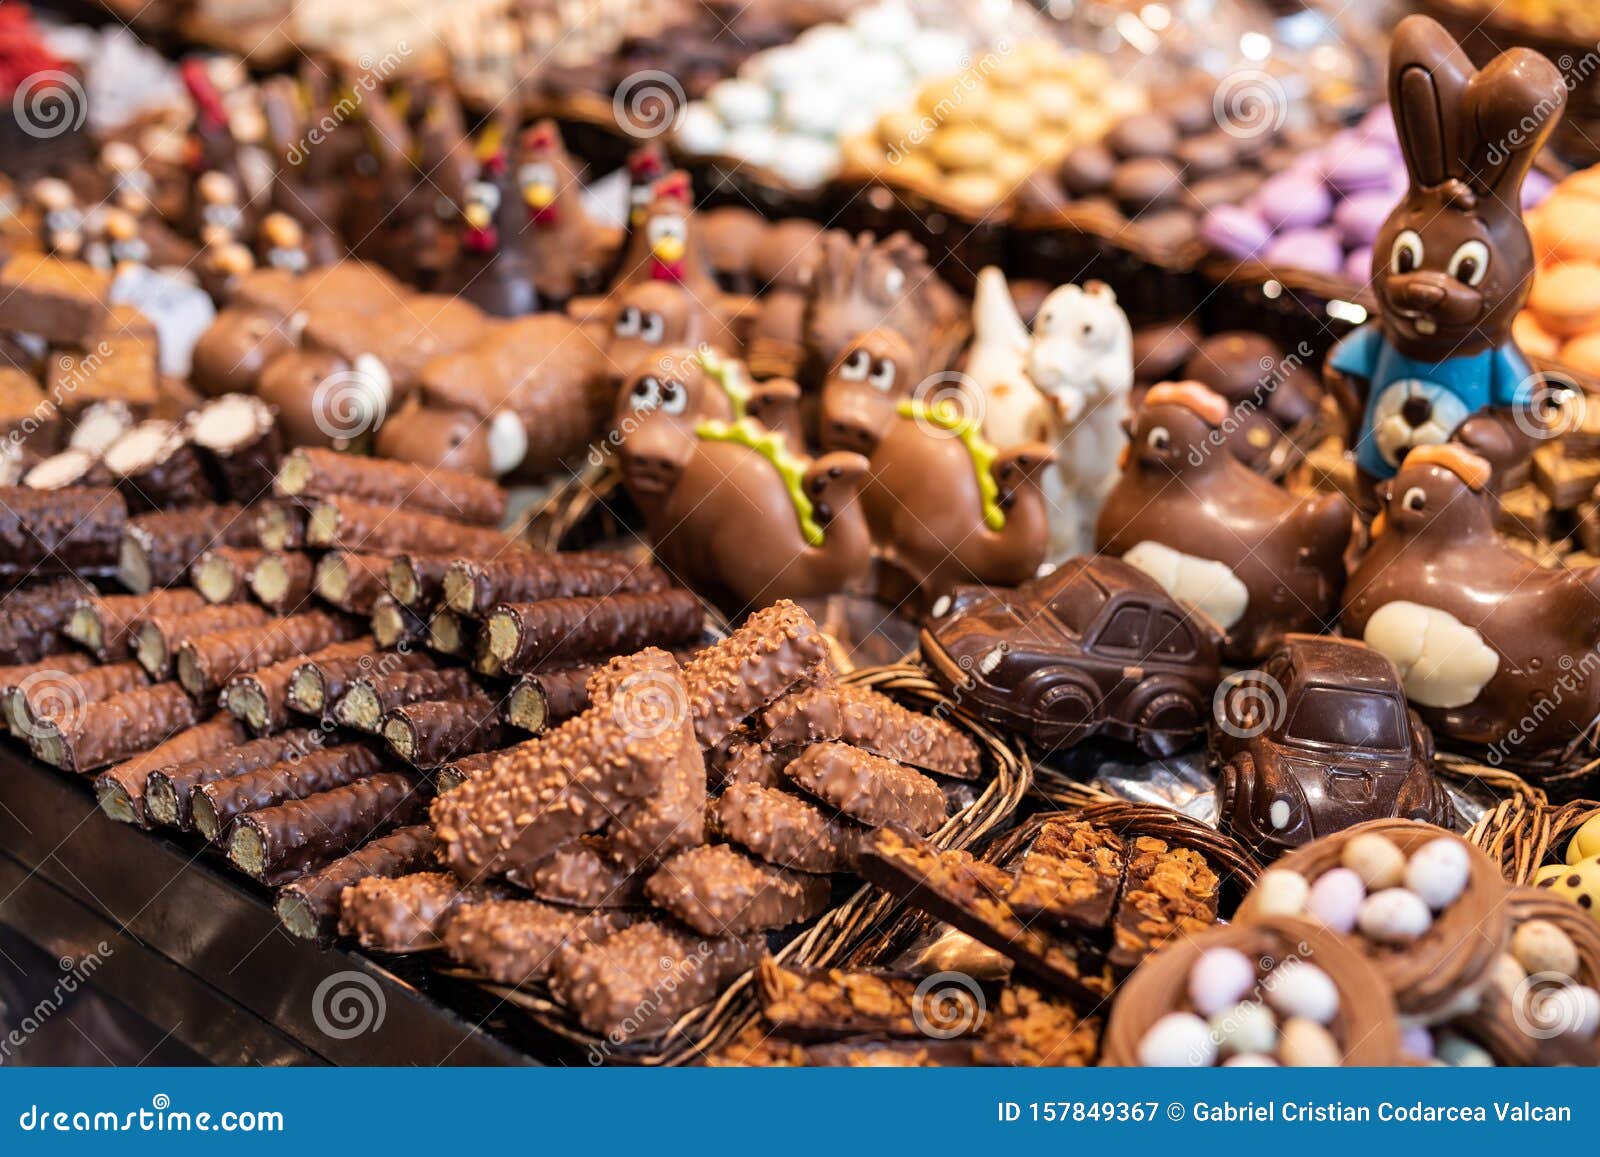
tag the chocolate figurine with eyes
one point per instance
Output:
(682, 386)
(1491, 646)
(568, 251)
(491, 270)
(666, 246)
(651, 316)
(1453, 263)
(1218, 536)
(945, 506)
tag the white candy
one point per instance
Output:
(1248, 1027)
(1540, 946)
(817, 109)
(700, 130)
(934, 52)
(828, 42)
(1394, 916)
(1578, 1011)
(1219, 979)
(1298, 989)
(1306, 1044)
(1507, 974)
(1376, 860)
(781, 69)
(805, 161)
(1417, 1041)
(754, 143)
(1249, 1061)
(1178, 1040)
(1281, 892)
(1439, 872)
(742, 102)
(1335, 898)
(1461, 1053)
(884, 24)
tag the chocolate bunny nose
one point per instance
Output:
(1415, 293)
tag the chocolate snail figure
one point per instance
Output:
(1492, 647)
(1453, 263)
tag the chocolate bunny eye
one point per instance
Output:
(627, 322)
(652, 328)
(1158, 438)
(1407, 252)
(1470, 263)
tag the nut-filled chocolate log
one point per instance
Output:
(156, 639)
(545, 698)
(281, 525)
(222, 574)
(451, 634)
(370, 697)
(417, 580)
(776, 648)
(114, 729)
(319, 473)
(515, 941)
(448, 776)
(156, 468)
(44, 533)
(785, 830)
(49, 668)
(351, 582)
(395, 625)
(309, 907)
(47, 692)
(430, 733)
(206, 663)
(261, 697)
(405, 913)
(279, 843)
(238, 439)
(317, 684)
(869, 788)
(120, 789)
(350, 524)
(719, 891)
(103, 624)
(874, 722)
(742, 759)
(474, 586)
(282, 580)
(559, 632)
(36, 620)
(158, 549)
(169, 791)
(583, 874)
(214, 806)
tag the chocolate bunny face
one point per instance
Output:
(1453, 263)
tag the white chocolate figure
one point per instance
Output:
(1013, 411)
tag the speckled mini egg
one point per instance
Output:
(1298, 989)
(1439, 872)
(1507, 974)
(1281, 892)
(1458, 1052)
(1219, 979)
(1376, 859)
(1575, 1010)
(1247, 1027)
(1541, 946)
(817, 108)
(1306, 1044)
(1178, 1040)
(1250, 1061)
(1394, 916)
(1416, 1041)
(1335, 898)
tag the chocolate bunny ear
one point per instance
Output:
(1513, 106)
(1428, 79)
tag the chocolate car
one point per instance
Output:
(1316, 740)
(1095, 648)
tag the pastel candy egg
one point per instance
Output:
(817, 109)
(1306, 1044)
(1358, 218)
(1394, 916)
(1249, 1061)
(884, 24)
(1439, 871)
(741, 102)
(805, 161)
(1417, 1041)
(1315, 249)
(1375, 859)
(1298, 989)
(1540, 946)
(1335, 898)
(1459, 1052)
(1178, 1040)
(1507, 974)
(934, 52)
(1575, 1010)
(1351, 167)
(1358, 264)
(1281, 892)
(783, 68)
(1248, 1027)
(1585, 842)
(1219, 979)
(1235, 231)
(1289, 201)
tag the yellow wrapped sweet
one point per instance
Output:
(1585, 842)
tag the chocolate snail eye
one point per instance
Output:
(674, 398)
(1158, 438)
(1414, 500)
(1407, 252)
(627, 322)
(653, 328)
(882, 376)
(1470, 263)
(646, 395)
(856, 366)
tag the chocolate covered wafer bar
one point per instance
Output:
(206, 663)
(36, 620)
(456, 494)
(47, 669)
(309, 906)
(873, 722)
(583, 874)
(282, 580)
(369, 697)
(157, 549)
(777, 648)
(214, 806)
(281, 525)
(869, 788)
(317, 684)
(784, 830)
(559, 632)
(417, 580)
(121, 789)
(475, 586)
(350, 524)
(46, 533)
(287, 840)
(156, 468)
(169, 792)
(719, 891)
(351, 582)
(48, 692)
(103, 623)
(238, 438)
(1170, 892)
(395, 626)
(114, 729)
(156, 639)
(404, 913)
(450, 633)
(261, 697)
(515, 941)
(222, 574)
(430, 733)
(1072, 875)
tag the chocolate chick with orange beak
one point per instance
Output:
(569, 252)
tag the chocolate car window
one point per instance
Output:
(1124, 631)
(1171, 638)
(1347, 718)
(1077, 604)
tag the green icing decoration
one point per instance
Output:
(948, 416)
(726, 376)
(770, 446)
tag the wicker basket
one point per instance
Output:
(1366, 1025)
(830, 938)
(1454, 956)
(1524, 833)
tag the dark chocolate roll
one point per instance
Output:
(434, 732)
(222, 575)
(351, 582)
(350, 524)
(114, 729)
(546, 698)
(214, 806)
(156, 639)
(451, 634)
(261, 698)
(277, 844)
(45, 533)
(281, 525)
(309, 906)
(36, 620)
(206, 663)
(317, 685)
(239, 441)
(18, 677)
(103, 624)
(417, 580)
(395, 625)
(156, 468)
(282, 580)
(473, 586)
(120, 789)
(47, 691)
(169, 791)
(370, 697)
(448, 776)
(320, 473)
(558, 632)
(157, 549)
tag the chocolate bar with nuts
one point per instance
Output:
(62, 301)
(826, 1004)
(369, 697)
(583, 874)
(99, 734)
(1170, 892)
(49, 691)
(282, 842)
(427, 734)
(563, 631)
(169, 792)
(868, 788)
(46, 533)
(317, 684)
(719, 891)
(474, 586)
(261, 697)
(351, 582)
(281, 580)
(417, 580)
(1072, 875)
(238, 437)
(405, 913)
(350, 524)
(222, 574)
(214, 806)
(120, 790)
(104, 623)
(206, 663)
(785, 830)
(777, 648)
(742, 759)
(156, 639)
(313, 472)
(36, 620)
(873, 722)
(515, 941)
(157, 549)
(1028, 1028)
(309, 906)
